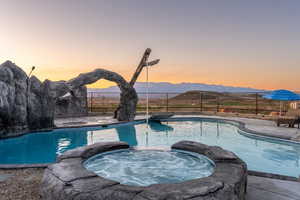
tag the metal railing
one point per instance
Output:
(193, 101)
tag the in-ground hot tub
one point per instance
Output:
(147, 167)
(222, 175)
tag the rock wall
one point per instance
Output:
(13, 88)
(28, 104)
(72, 105)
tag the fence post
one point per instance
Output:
(218, 103)
(201, 102)
(167, 102)
(92, 101)
(87, 103)
(256, 103)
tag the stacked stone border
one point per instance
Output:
(68, 179)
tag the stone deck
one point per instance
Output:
(260, 188)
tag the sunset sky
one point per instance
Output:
(234, 42)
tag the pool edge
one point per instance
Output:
(240, 125)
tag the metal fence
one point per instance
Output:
(193, 101)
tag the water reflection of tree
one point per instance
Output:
(127, 134)
(156, 126)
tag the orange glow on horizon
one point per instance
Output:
(57, 74)
(177, 75)
(211, 43)
(169, 73)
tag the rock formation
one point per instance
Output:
(72, 105)
(28, 104)
(13, 106)
(128, 96)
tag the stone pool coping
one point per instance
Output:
(68, 179)
(239, 124)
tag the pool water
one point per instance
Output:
(147, 167)
(264, 155)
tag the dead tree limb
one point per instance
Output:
(140, 66)
(144, 62)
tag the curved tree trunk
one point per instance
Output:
(128, 97)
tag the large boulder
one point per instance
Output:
(13, 101)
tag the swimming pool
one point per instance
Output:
(260, 154)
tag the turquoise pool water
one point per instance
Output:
(265, 155)
(147, 167)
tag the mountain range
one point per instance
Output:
(165, 87)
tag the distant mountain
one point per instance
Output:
(177, 88)
(195, 95)
(165, 87)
